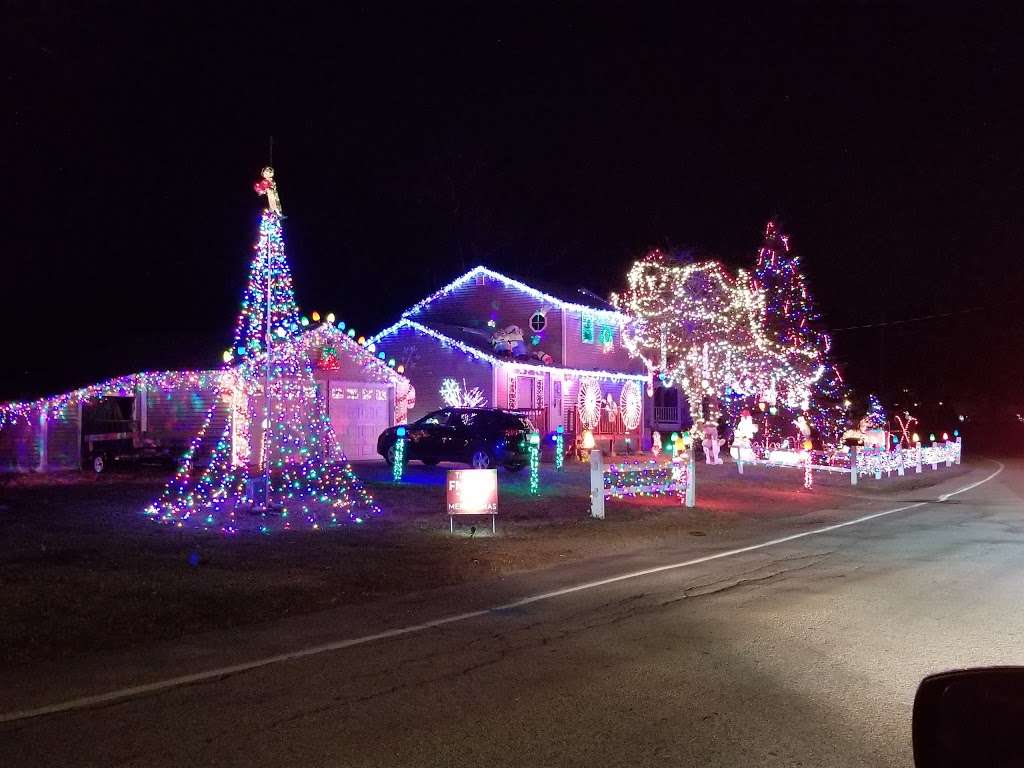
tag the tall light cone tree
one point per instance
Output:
(270, 390)
(265, 314)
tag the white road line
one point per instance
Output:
(213, 674)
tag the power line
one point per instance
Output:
(917, 319)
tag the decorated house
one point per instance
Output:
(486, 339)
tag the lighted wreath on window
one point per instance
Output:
(587, 329)
(538, 321)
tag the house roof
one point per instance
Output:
(582, 302)
(15, 410)
(475, 345)
(374, 364)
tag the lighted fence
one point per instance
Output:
(877, 462)
(859, 462)
(630, 479)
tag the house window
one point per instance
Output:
(587, 329)
(607, 336)
(538, 322)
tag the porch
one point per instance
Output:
(609, 425)
(668, 411)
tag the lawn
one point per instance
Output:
(81, 569)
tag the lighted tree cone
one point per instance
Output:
(308, 472)
(310, 481)
(534, 452)
(696, 326)
(263, 309)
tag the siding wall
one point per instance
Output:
(427, 362)
(21, 443)
(175, 416)
(348, 369)
(64, 439)
(591, 357)
(472, 305)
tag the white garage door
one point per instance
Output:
(359, 413)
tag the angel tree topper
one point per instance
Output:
(267, 186)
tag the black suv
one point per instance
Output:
(480, 437)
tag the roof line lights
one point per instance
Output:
(605, 315)
(474, 352)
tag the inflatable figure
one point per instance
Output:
(709, 439)
(874, 437)
(742, 448)
(805, 432)
(509, 341)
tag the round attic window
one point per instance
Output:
(538, 322)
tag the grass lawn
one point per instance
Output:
(81, 569)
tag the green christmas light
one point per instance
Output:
(534, 451)
(559, 447)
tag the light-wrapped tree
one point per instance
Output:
(794, 322)
(696, 326)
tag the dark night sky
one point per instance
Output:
(553, 144)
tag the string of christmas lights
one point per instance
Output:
(307, 476)
(644, 479)
(696, 326)
(122, 386)
(794, 322)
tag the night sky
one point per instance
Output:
(555, 145)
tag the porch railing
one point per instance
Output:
(606, 426)
(666, 414)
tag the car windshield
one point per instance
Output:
(439, 418)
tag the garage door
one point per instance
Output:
(359, 413)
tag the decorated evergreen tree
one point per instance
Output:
(307, 477)
(793, 319)
(876, 416)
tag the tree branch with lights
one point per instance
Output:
(698, 327)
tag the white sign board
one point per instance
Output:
(472, 492)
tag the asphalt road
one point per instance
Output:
(802, 653)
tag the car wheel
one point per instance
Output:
(99, 463)
(389, 457)
(480, 459)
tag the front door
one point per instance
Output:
(526, 392)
